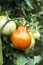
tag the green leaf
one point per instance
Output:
(29, 4)
(21, 60)
(23, 12)
(37, 59)
(30, 61)
(40, 13)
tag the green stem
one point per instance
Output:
(1, 56)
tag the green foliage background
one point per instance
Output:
(32, 11)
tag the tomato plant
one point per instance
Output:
(14, 13)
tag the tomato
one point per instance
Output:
(9, 28)
(21, 38)
(37, 35)
(3, 20)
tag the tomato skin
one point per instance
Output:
(21, 38)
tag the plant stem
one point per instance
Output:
(1, 56)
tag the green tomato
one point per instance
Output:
(9, 28)
(3, 20)
(36, 35)
(28, 50)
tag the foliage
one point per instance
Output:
(32, 12)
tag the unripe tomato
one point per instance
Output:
(21, 38)
(37, 35)
(3, 20)
(9, 28)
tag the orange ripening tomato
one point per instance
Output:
(21, 38)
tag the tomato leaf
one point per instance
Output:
(37, 59)
(29, 3)
(30, 61)
(21, 60)
(23, 12)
